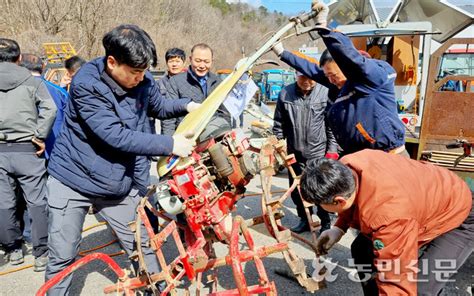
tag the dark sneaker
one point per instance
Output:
(303, 226)
(16, 257)
(41, 262)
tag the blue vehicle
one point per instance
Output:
(271, 83)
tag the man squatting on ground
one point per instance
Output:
(410, 215)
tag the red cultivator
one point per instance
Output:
(206, 190)
(203, 189)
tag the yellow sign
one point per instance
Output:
(58, 52)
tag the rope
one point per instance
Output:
(82, 253)
(85, 252)
(15, 269)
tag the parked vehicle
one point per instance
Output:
(272, 82)
(223, 73)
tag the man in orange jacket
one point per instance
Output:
(401, 207)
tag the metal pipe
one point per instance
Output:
(78, 264)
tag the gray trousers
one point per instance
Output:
(29, 172)
(67, 211)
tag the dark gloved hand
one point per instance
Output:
(327, 239)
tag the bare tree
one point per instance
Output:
(171, 23)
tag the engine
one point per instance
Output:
(206, 186)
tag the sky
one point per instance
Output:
(294, 7)
(289, 7)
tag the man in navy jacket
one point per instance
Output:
(100, 157)
(196, 83)
(363, 113)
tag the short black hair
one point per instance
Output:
(324, 179)
(32, 62)
(326, 58)
(175, 53)
(130, 45)
(74, 63)
(202, 46)
(9, 50)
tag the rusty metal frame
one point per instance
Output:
(447, 117)
(428, 139)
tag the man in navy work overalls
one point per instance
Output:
(363, 110)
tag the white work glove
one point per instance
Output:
(191, 106)
(278, 48)
(183, 144)
(321, 18)
(327, 239)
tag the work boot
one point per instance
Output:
(303, 226)
(41, 262)
(16, 257)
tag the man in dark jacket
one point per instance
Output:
(363, 113)
(175, 60)
(196, 84)
(26, 115)
(299, 118)
(100, 156)
(72, 65)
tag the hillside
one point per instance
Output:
(230, 29)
